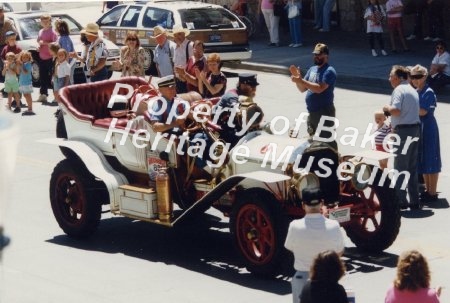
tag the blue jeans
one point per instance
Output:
(318, 12)
(407, 163)
(100, 75)
(327, 7)
(295, 29)
(298, 281)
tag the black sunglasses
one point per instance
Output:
(439, 47)
(416, 77)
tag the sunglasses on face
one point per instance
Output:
(439, 47)
(416, 77)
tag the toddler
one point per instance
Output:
(10, 71)
(374, 15)
(25, 82)
(384, 129)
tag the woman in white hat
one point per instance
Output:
(97, 54)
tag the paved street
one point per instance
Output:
(131, 261)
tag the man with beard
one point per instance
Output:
(319, 84)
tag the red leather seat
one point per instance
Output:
(89, 101)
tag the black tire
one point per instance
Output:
(382, 211)
(35, 78)
(73, 193)
(260, 244)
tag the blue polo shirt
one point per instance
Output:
(406, 99)
(324, 74)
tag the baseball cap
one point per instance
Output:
(311, 196)
(166, 81)
(321, 48)
(248, 78)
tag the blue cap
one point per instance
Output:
(248, 78)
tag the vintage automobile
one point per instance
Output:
(221, 31)
(111, 159)
(28, 25)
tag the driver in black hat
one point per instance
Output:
(246, 87)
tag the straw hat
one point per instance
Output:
(90, 29)
(158, 31)
(179, 29)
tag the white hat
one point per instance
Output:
(166, 81)
(90, 29)
(179, 29)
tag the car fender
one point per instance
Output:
(207, 200)
(96, 163)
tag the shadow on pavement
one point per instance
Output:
(358, 261)
(205, 247)
(417, 213)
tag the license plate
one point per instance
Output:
(215, 38)
(341, 214)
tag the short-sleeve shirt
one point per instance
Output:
(48, 36)
(406, 99)
(63, 70)
(66, 43)
(213, 80)
(324, 74)
(375, 26)
(311, 235)
(96, 51)
(179, 57)
(383, 131)
(164, 58)
(422, 295)
(443, 59)
(427, 100)
(158, 104)
(391, 4)
(192, 64)
(25, 78)
(8, 48)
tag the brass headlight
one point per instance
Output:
(361, 175)
(301, 181)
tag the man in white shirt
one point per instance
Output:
(183, 51)
(309, 236)
(440, 67)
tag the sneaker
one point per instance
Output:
(436, 39)
(411, 37)
(383, 52)
(297, 45)
(427, 38)
(291, 45)
(271, 44)
(374, 53)
(42, 98)
(17, 110)
(28, 113)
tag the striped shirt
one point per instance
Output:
(383, 131)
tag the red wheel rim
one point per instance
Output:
(255, 234)
(368, 216)
(70, 199)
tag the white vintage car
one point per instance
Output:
(111, 159)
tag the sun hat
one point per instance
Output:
(90, 29)
(179, 29)
(158, 31)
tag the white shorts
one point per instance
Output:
(26, 89)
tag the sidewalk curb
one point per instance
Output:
(346, 81)
(374, 85)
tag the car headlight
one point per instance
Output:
(114, 52)
(303, 180)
